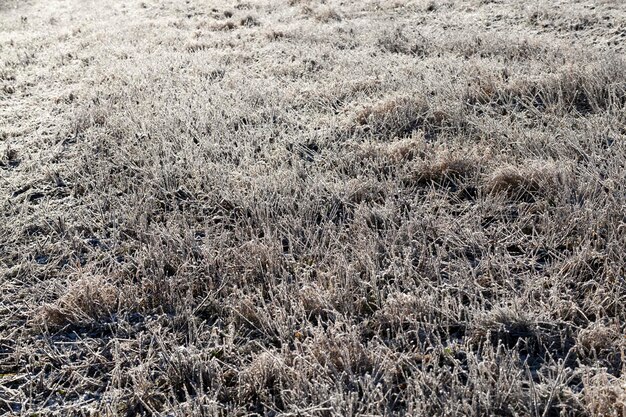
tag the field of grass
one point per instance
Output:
(313, 208)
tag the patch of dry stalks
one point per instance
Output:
(306, 207)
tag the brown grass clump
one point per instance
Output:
(398, 42)
(448, 167)
(504, 325)
(327, 15)
(249, 21)
(598, 338)
(87, 300)
(228, 25)
(264, 380)
(526, 182)
(441, 168)
(605, 394)
(392, 117)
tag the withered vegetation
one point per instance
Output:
(313, 207)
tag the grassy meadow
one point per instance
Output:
(313, 208)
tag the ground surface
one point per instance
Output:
(312, 207)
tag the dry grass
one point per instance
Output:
(305, 207)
